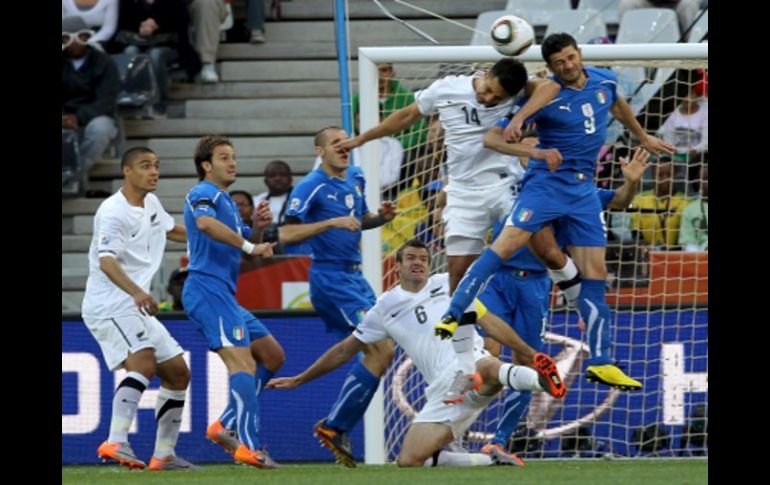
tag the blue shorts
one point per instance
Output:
(569, 196)
(520, 298)
(340, 294)
(213, 309)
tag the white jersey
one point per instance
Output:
(136, 237)
(465, 123)
(408, 319)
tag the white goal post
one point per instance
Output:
(657, 55)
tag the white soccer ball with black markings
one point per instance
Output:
(512, 35)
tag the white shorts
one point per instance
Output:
(470, 213)
(458, 417)
(120, 336)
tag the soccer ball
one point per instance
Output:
(511, 35)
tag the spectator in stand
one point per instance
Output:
(160, 28)
(207, 17)
(255, 20)
(393, 96)
(687, 128)
(278, 178)
(686, 10)
(658, 212)
(245, 203)
(694, 231)
(99, 15)
(90, 85)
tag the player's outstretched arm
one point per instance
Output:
(496, 328)
(178, 233)
(540, 94)
(623, 112)
(396, 122)
(632, 174)
(114, 271)
(219, 232)
(294, 231)
(494, 139)
(342, 352)
(385, 214)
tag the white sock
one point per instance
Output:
(462, 341)
(519, 378)
(450, 458)
(124, 405)
(568, 272)
(168, 417)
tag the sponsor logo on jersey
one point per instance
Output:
(579, 176)
(238, 332)
(332, 196)
(565, 107)
(524, 215)
(601, 97)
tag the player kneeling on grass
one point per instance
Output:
(402, 314)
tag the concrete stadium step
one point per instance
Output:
(245, 147)
(73, 263)
(82, 242)
(317, 9)
(234, 118)
(270, 72)
(84, 224)
(179, 186)
(324, 50)
(71, 301)
(184, 167)
(230, 90)
(382, 29)
(278, 112)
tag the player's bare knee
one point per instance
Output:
(408, 460)
(487, 369)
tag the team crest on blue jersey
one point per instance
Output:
(601, 97)
(524, 215)
(294, 203)
(349, 201)
(580, 176)
(238, 333)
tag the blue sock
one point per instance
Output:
(473, 282)
(228, 417)
(263, 376)
(242, 387)
(596, 315)
(355, 395)
(515, 406)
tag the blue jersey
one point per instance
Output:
(575, 122)
(320, 197)
(208, 256)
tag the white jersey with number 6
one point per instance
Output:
(408, 319)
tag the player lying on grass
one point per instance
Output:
(403, 314)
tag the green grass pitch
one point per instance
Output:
(542, 472)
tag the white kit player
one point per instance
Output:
(130, 230)
(480, 190)
(404, 314)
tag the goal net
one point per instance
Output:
(657, 292)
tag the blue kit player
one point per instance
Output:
(329, 208)
(575, 124)
(216, 237)
(519, 291)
